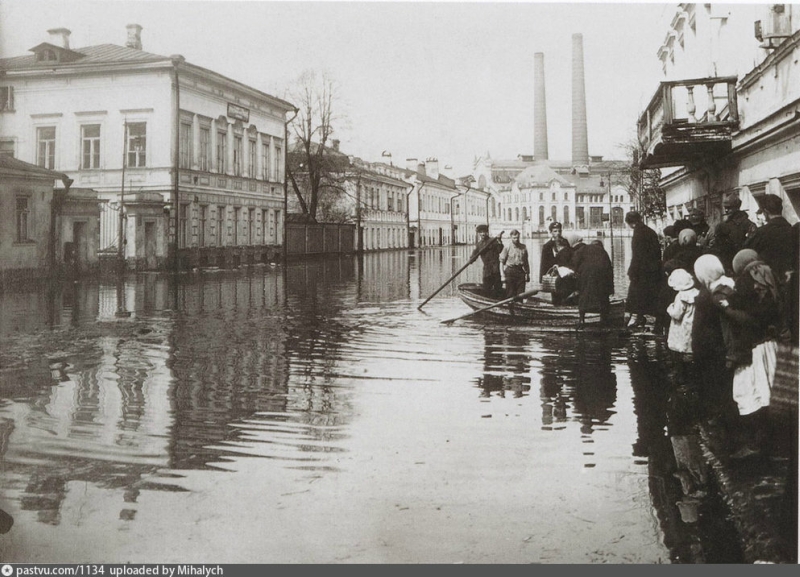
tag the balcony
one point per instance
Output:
(688, 121)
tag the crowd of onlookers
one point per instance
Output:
(725, 297)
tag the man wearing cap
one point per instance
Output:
(698, 220)
(730, 235)
(489, 250)
(552, 250)
(773, 241)
(517, 269)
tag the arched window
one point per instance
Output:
(524, 213)
(566, 216)
(566, 196)
(541, 216)
(554, 212)
(516, 215)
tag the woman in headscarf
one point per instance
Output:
(708, 344)
(750, 319)
(595, 279)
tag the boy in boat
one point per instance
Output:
(517, 269)
(489, 250)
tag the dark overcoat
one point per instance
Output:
(644, 271)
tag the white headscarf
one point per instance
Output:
(709, 271)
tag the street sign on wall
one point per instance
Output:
(238, 112)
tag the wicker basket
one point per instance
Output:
(783, 397)
(549, 283)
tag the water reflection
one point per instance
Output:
(272, 375)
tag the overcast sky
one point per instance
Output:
(451, 80)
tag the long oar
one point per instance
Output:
(519, 297)
(459, 271)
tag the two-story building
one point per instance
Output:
(192, 159)
(726, 118)
(430, 204)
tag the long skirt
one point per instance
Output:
(752, 383)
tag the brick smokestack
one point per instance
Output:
(539, 109)
(580, 136)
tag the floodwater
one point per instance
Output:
(311, 414)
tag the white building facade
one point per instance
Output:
(731, 122)
(195, 158)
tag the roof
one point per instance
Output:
(110, 54)
(441, 180)
(100, 54)
(540, 174)
(10, 166)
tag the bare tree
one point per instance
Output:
(644, 184)
(315, 167)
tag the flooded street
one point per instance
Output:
(311, 414)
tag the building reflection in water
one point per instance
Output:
(214, 367)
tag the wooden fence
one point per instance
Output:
(319, 239)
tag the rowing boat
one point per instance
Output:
(537, 310)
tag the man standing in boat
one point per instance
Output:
(489, 250)
(517, 269)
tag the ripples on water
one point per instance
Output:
(317, 400)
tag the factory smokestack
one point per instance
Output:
(580, 136)
(539, 109)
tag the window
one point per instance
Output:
(264, 233)
(205, 148)
(184, 225)
(553, 196)
(251, 225)
(553, 213)
(137, 144)
(265, 172)
(279, 163)
(23, 214)
(541, 197)
(201, 241)
(222, 152)
(541, 216)
(565, 222)
(6, 98)
(185, 145)
(220, 224)
(7, 147)
(236, 215)
(237, 155)
(251, 159)
(566, 196)
(46, 147)
(46, 55)
(90, 145)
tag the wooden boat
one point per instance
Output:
(539, 310)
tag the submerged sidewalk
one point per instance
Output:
(761, 491)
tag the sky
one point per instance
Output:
(451, 80)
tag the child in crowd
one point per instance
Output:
(681, 311)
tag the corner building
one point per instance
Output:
(153, 135)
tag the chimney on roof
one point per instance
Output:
(432, 167)
(134, 36)
(539, 109)
(580, 136)
(59, 37)
(411, 164)
(335, 144)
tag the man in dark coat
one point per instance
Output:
(773, 241)
(730, 235)
(697, 218)
(595, 280)
(489, 250)
(644, 271)
(552, 251)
